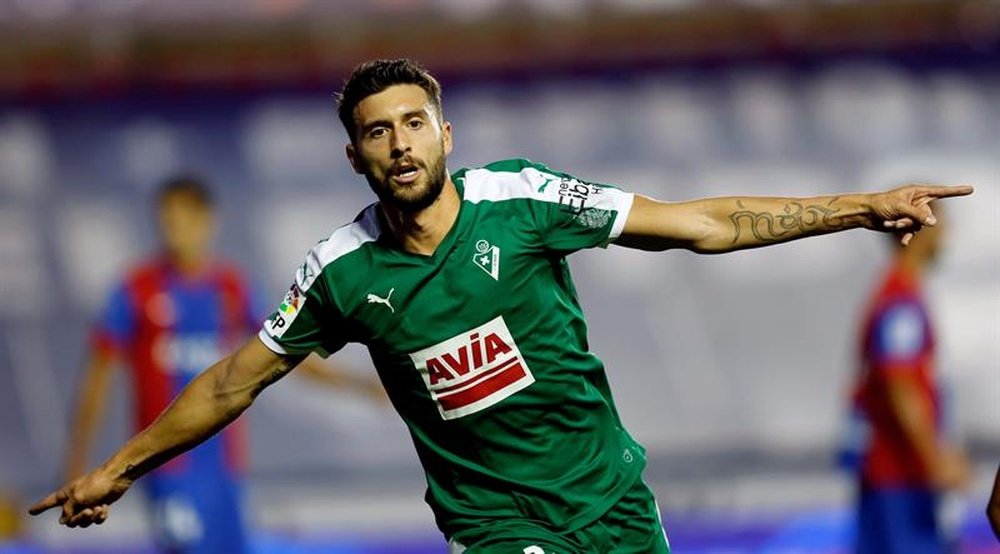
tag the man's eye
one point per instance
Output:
(377, 132)
(415, 123)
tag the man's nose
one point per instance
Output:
(400, 144)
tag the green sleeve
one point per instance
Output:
(571, 214)
(307, 319)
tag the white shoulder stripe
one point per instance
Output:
(343, 241)
(541, 186)
(493, 186)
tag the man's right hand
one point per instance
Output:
(86, 500)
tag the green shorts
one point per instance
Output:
(632, 525)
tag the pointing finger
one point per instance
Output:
(945, 192)
(50, 501)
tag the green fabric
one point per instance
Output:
(482, 346)
(632, 526)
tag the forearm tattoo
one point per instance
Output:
(286, 364)
(795, 219)
(132, 472)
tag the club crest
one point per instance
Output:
(487, 257)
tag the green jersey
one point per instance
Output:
(482, 346)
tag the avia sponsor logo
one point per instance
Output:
(287, 311)
(474, 370)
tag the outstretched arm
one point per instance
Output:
(719, 225)
(210, 402)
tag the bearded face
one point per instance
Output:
(401, 147)
(410, 184)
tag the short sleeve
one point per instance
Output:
(900, 334)
(306, 320)
(567, 213)
(572, 214)
(116, 325)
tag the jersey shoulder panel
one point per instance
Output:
(310, 317)
(510, 180)
(346, 239)
(123, 308)
(566, 212)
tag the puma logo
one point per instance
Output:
(375, 299)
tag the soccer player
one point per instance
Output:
(168, 319)
(908, 460)
(459, 287)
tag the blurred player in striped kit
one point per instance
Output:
(458, 284)
(169, 318)
(907, 459)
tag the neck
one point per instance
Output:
(422, 232)
(188, 264)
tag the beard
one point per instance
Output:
(416, 196)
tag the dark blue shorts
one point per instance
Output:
(196, 513)
(898, 520)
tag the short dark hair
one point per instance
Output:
(372, 77)
(186, 185)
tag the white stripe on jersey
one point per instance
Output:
(343, 241)
(493, 186)
(483, 184)
(480, 185)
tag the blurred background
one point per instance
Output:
(733, 370)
